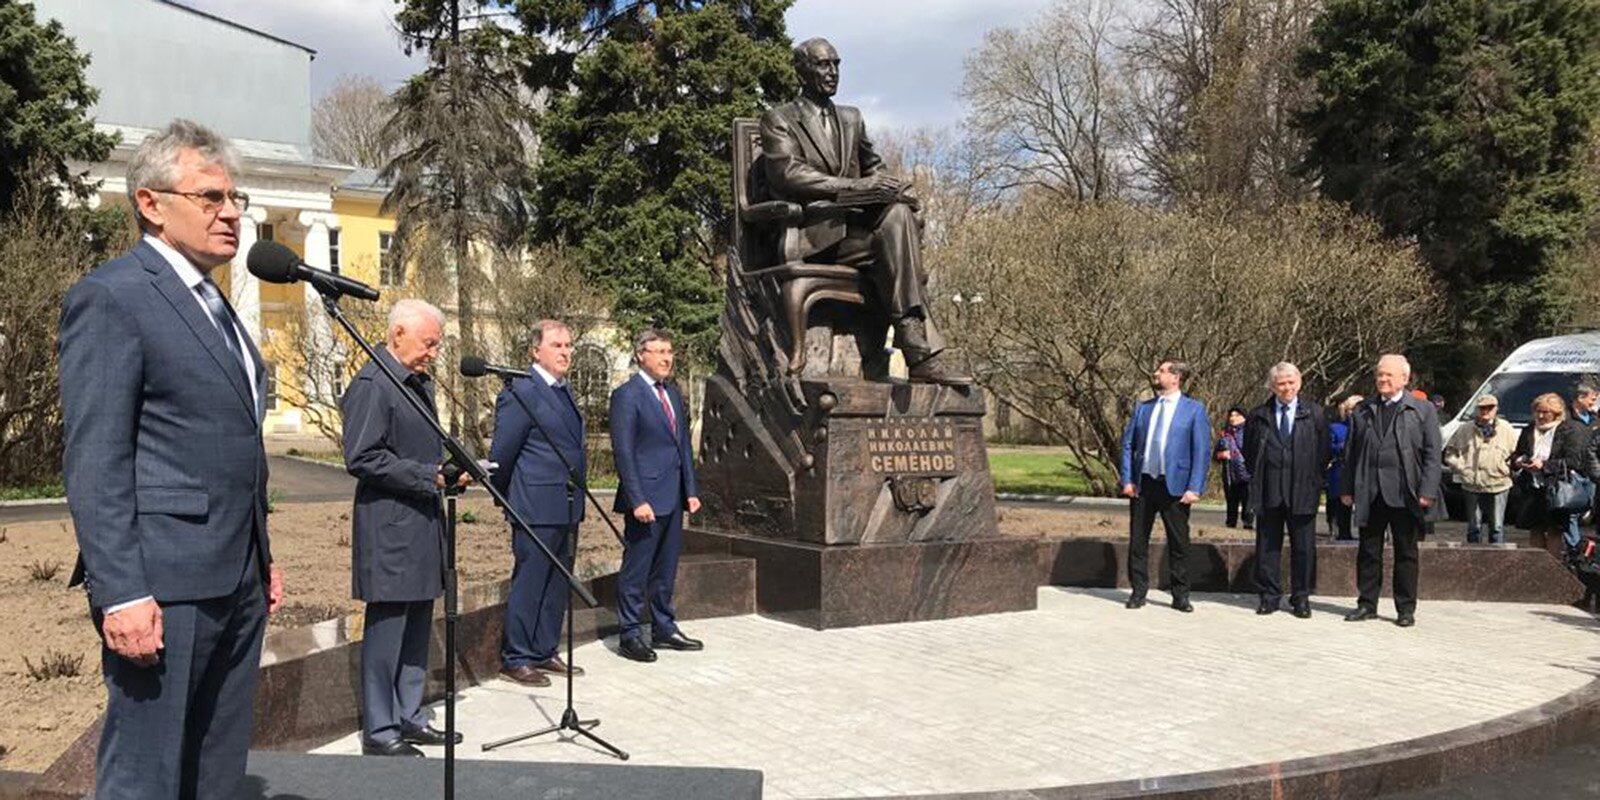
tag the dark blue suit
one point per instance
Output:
(1183, 465)
(654, 465)
(167, 482)
(534, 480)
(396, 543)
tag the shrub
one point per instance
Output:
(44, 571)
(54, 664)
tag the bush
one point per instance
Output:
(44, 571)
(1080, 301)
(54, 664)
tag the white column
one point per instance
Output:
(244, 287)
(319, 378)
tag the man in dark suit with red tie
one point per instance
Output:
(533, 454)
(655, 467)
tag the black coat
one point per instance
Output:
(1568, 451)
(1309, 456)
(1416, 431)
(396, 545)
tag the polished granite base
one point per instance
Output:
(841, 586)
(1491, 573)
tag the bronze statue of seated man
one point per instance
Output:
(817, 151)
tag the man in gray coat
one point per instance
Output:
(161, 394)
(1391, 482)
(396, 546)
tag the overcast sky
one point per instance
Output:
(902, 58)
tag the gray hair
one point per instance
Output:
(155, 163)
(1587, 388)
(410, 308)
(1279, 370)
(1405, 366)
(647, 337)
(542, 327)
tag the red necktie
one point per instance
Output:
(672, 422)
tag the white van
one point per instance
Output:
(1557, 364)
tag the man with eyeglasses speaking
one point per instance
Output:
(161, 392)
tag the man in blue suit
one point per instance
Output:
(1164, 450)
(161, 393)
(655, 466)
(533, 454)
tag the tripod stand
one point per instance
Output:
(569, 715)
(460, 461)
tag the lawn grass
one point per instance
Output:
(1044, 471)
(36, 492)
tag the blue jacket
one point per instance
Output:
(166, 474)
(1338, 432)
(653, 465)
(530, 472)
(1188, 449)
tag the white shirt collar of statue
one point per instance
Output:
(187, 271)
(549, 380)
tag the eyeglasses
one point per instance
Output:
(211, 200)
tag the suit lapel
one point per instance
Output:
(570, 419)
(847, 138)
(821, 145)
(651, 399)
(187, 306)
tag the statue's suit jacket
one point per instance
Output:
(166, 475)
(804, 164)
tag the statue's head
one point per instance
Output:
(817, 63)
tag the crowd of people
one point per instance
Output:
(1374, 466)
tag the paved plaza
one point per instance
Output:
(1079, 691)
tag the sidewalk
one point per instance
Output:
(1079, 691)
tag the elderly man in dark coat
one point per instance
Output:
(1391, 482)
(1286, 446)
(396, 555)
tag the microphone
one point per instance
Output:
(475, 367)
(274, 263)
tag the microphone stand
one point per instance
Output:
(569, 715)
(464, 460)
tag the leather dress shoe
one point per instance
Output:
(1361, 614)
(634, 648)
(1265, 608)
(556, 666)
(527, 675)
(933, 370)
(1302, 610)
(1406, 620)
(1136, 601)
(1183, 604)
(398, 747)
(677, 641)
(426, 735)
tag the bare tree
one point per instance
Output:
(347, 123)
(43, 250)
(1213, 90)
(1046, 104)
(1081, 300)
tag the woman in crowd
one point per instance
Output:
(1549, 450)
(1235, 475)
(1338, 432)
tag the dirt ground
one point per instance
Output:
(45, 622)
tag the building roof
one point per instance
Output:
(232, 24)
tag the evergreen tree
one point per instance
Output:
(1462, 124)
(633, 165)
(44, 102)
(460, 172)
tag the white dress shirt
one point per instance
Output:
(1166, 406)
